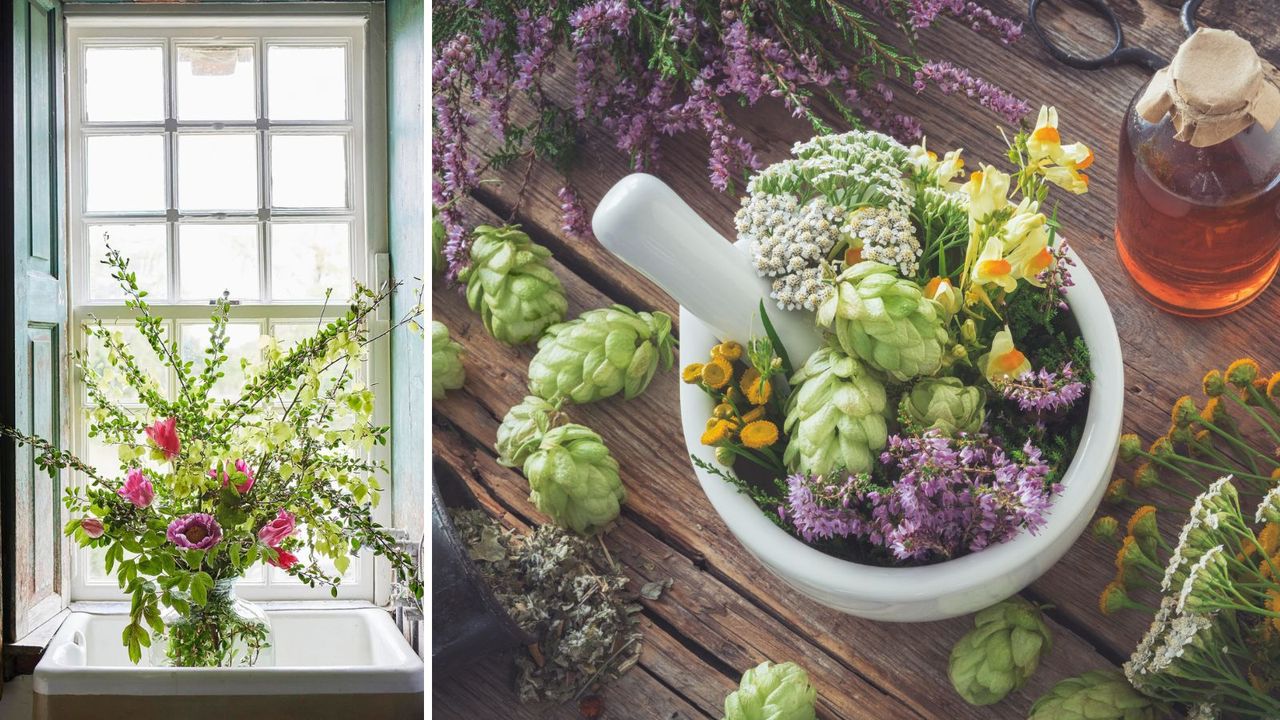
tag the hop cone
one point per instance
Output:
(510, 285)
(772, 692)
(1000, 653)
(946, 404)
(835, 417)
(602, 353)
(885, 320)
(1095, 695)
(447, 372)
(522, 429)
(574, 479)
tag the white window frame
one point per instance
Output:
(357, 28)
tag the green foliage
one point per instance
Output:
(303, 424)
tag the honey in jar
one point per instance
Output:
(1198, 192)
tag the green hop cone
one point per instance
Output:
(1000, 653)
(438, 236)
(447, 372)
(835, 417)
(509, 284)
(945, 404)
(602, 353)
(885, 320)
(522, 429)
(772, 692)
(574, 479)
(1096, 695)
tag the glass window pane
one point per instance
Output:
(308, 171)
(145, 247)
(124, 173)
(124, 84)
(214, 258)
(218, 172)
(111, 378)
(242, 344)
(309, 258)
(215, 83)
(307, 83)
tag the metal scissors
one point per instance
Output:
(1119, 54)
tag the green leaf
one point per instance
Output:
(778, 347)
(201, 584)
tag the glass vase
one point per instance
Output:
(226, 632)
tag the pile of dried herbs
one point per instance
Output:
(564, 591)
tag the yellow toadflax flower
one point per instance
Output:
(717, 373)
(992, 268)
(943, 171)
(941, 291)
(988, 191)
(759, 434)
(1004, 361)
(1060, 164)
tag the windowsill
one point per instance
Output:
(22, 656)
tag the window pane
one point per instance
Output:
(215, 258)
(309, 258)
(124, 84)
(307, 83)
(242, 343)
(124, 173)
(217, 172)
(146, 248)
(112, 380)
(308, 171)
(215, 83)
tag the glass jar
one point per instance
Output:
(226, 632)
(1198, 206)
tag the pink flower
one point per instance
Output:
(283, 559)
(137, 489)
(164, 435)
(274, 532)
(198, 531)
(92, 527)
(243, 468)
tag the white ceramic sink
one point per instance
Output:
(330, 663)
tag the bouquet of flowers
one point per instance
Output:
(943, 406)
(207, 488)
(1214, 591)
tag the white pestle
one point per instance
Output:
(646, 224)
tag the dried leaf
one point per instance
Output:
(653, 590)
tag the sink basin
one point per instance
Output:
(330, 663)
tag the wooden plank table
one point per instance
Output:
(724, 612)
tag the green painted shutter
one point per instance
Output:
(33, 309)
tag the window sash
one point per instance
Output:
(259, 28)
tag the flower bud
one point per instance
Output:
(92, 527)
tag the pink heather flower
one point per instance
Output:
(243, 468)
(164, 435)
(92, 527)
(198, 531)
(137, 489)
(283, 559)
(274, 532)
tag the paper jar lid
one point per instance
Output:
(1215, 87)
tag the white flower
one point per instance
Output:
(1140, 661)
(1269, 508)
(1200, 573)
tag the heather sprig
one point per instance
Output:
(642, 70)
(1044, 392)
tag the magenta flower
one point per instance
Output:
(164, 435)
(243, 468)
(197, 531)
(274, 532)
(92, 527)
(137, 489)
(283, 559)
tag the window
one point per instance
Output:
(223, 154)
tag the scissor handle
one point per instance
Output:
(1117, 55)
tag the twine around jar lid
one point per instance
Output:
(1215, 87)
